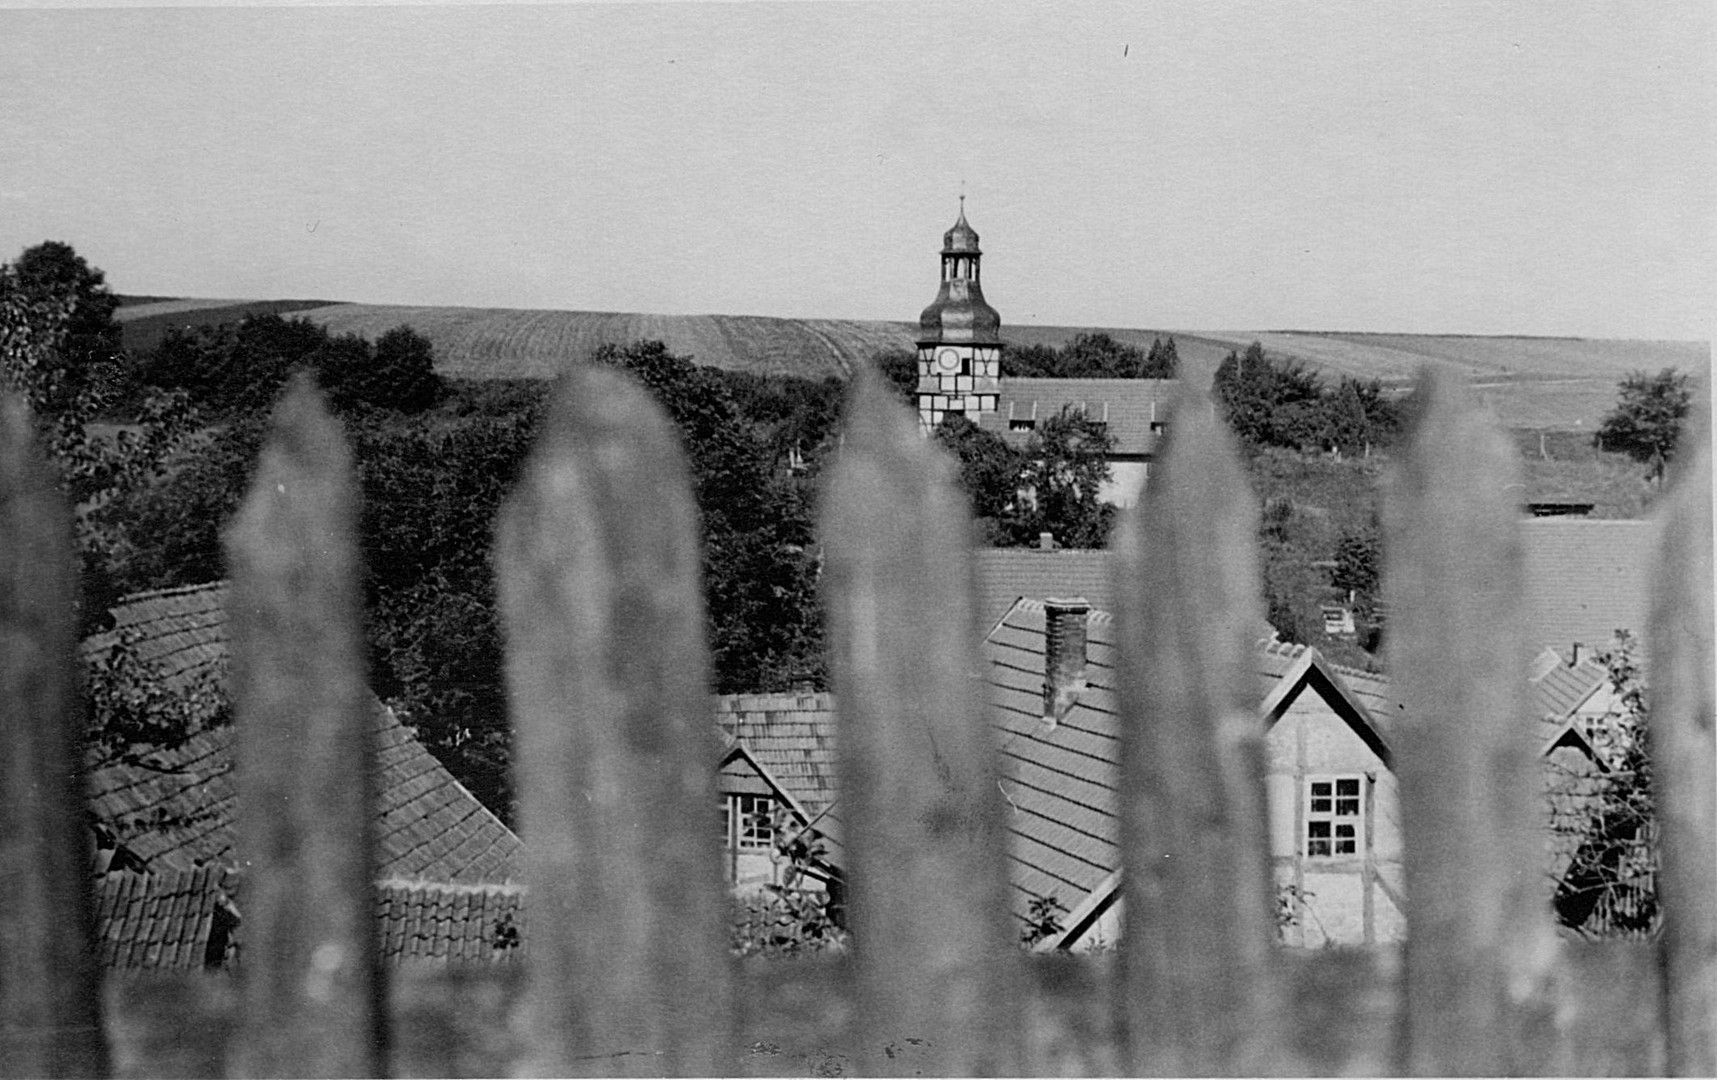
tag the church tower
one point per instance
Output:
(959, 337)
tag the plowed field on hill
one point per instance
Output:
(1554, 383)
(500, 343)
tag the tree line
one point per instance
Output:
(155, 450)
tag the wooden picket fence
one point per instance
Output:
(628, 969)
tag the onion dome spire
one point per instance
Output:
(959, 313)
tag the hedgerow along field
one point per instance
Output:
(1556, 384)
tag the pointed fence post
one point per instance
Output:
(1684, 759)
(50, 999)
(1197, 960)
(935, 954)
(601, 599)
(311, 997)
(1479, 938)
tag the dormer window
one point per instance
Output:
(1335, 817)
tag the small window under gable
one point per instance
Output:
(748, 822)
(1335, 816)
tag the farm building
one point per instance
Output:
(1585, 580)
(960, 374)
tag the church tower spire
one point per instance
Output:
(959, 336)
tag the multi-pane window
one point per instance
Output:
(1334, 818)
(748, 822)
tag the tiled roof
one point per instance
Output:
(450, 924)
(189, 919)
(174, 807)
(1130, 406)
(1004, 575)
(165, 920)
(1585, 579)
(792, 737)
(1370, 689)
(1561, 689)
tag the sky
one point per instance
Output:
(1429, 167)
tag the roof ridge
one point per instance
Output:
(730, 702)
(172, 590)
(490, 888)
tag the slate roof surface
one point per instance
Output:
(1003, 575)
(1586, 579)
(174, 807)
(1129, 405)
(792, 737)
(165, 920)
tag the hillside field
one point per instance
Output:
(1557, 384)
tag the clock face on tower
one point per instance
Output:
(948, 360)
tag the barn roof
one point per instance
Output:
(1586, 579)
(1004, 575)
(173, 807)
(1129, 406)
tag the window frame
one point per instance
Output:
(1341, 809)
(739, 807)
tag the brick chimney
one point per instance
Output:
(1063, 654)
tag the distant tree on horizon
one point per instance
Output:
(1646, 421)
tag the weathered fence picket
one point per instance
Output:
(935, 958)
(1200, 992)
(311, 990)
(597, 559)
(50, 1015)
(1684, 752)
(1481, 942)
(627, 968)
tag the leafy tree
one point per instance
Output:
(1099, 356)
(241, 369)
(1031, 362)
(401, 375)
(759, 574)
(90, 357)
(1270, 402)
(1163, 361)
(100, 470)
(1358, 416)
(1606, 816)
(1066, 464)
(989, 473)
(1646, 422)
(900, 368)
(1093, 355)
